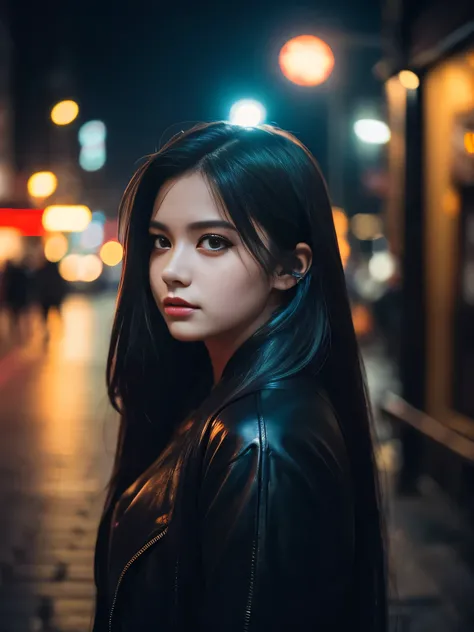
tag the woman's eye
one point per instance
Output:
(159, 241)
(216, 243)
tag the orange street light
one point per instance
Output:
(306, 60)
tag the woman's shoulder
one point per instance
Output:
(288, 417)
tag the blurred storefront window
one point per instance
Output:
(448, 194)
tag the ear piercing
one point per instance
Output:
(297, 276)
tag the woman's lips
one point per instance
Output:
(179, 310)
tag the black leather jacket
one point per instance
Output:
(271, 546)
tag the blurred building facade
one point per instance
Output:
(38, 70)
(6, 112)
(430, 218)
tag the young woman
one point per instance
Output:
(244, 495)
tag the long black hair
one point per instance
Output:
(259, 176)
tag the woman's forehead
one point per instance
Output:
(186, 196)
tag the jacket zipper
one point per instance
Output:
(127, 566)
(248, 610)
(176, 570)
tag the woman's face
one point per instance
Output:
(205, 265)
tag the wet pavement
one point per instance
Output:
(58, 437)
(56, 452)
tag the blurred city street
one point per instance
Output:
(58, 434)
(55, 454)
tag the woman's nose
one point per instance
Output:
(177, 270)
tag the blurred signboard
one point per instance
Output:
(28, 221)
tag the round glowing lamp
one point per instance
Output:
(306, 60)
(247, 113)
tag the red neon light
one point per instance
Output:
(26, 220)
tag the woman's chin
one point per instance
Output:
(185, 332)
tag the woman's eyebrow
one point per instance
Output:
(203, 224)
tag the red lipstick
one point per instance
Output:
(174, 306)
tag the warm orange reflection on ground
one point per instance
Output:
(71, 403)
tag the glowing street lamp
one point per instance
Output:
(64, 112)
(306, 60)
(372, 131)
(247, 113)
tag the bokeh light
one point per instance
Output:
(451, 202)
(98, 216)
(362, 319)
(66, 218)
(469, 142)
(69, 267)
(366, 226)
(372, 131)
(90, 268)
(11, 244)
(408, 79)
(341, 225)
(55, 247)
(42, 184)
(81, 268)
(111, 253)
(92, 133)
(382, 266)
(247, 113)
(64, 112)
(92, 158)
(93, 235)
(344, 249)
(91, 136)
(306, 60)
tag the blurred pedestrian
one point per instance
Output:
(16, 291)
(49, 290)
(244, 494)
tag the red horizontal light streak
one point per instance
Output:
(28, 221)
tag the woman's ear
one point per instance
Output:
(285, 278)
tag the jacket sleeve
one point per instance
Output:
(276, 524)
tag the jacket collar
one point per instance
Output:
(255, 350)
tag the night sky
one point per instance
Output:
(150, 68)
